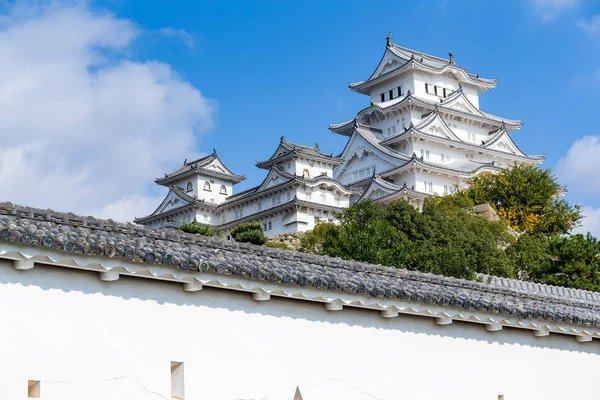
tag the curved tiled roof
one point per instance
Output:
(416, 60)
(198, 167)
(462, 167)
(69, 233)
(415, 131)
(410, 100)
(293, 150)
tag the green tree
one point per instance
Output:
(249, 232)
(572, 261)
(444, 239)
(527, 198)
(527, 255)
(195, 228)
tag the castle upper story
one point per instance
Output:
(427, 77)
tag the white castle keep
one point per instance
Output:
(422, 134)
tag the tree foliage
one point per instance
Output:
(444, 239)
(249, 232)
(570, 261)
(195, 228)
(527, 198)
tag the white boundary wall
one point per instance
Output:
(88, 339)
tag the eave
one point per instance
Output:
(481, 84)
(294, 203)
(417, 162)
(333, 161)
(410, 101)
(415, 133)
(168, 180)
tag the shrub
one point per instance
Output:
(197, 229)
(280, 245)
(249, 232)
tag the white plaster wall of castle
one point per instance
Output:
(446, 81)
(405, 81)
(435, 184)
(405, 177)
(358, 168)
(310, 169)
(188, 185)
(469, 133)
(82, 338)
(213, 190)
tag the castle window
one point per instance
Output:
(223, 190)
(177, 383)
(259, 205)
(445, 189)
(446, 92)
(427, 154)
(428, 88)
(190, 187)
(443, 158)
(382, 97)
(437, 90)
(33, 389)
(269, 225)
(399, 91)
(305, 174)
(391, 94)
(207, 186)
(289, 196)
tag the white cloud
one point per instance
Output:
(591, 222)
(83, 128)
(550, 9)
(579, 168)
(591, 27)
(179, 33)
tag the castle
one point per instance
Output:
(423, 134)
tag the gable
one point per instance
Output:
(363, 164)
(376, 191)
(171, 201)
(273, 178)
(360, 153)
(437, 127)
(389, 62)
(505, 144)
(461, 103)
(217, 166)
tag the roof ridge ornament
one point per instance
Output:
(451, 55)
(388, 39)
(214, 151)
(282, 138)
(316, 146)
(185, 161)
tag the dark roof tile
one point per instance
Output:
(70, 233)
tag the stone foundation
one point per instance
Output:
(291, 240)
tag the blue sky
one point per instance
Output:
(258, 70)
